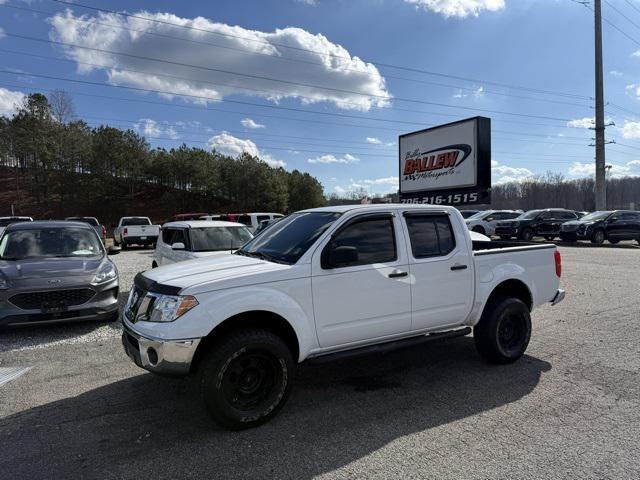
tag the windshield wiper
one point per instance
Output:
(261, 256)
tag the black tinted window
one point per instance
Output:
(173, 235)
(566, 215)
(373, 238)
(510, 215)
(130, 222)
(244, 219)
(430, 235)
(261, 218)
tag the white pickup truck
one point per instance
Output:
(331, 282)
(135, 230)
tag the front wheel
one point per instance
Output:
(503, 332)
(246, 378)
(549, 238)
(613, 242)
(597, 237)
(526, 235)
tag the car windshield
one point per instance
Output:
(479, 215)
(8, 221)
(49, 242)
(130, 222)
(91, 221)
(593, 216)
(288, 239)
(211, 239)
(531, 214)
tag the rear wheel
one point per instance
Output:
(598, 237)
(504, 330)
(246, 378)
(124, 245)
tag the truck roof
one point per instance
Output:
(380, 206)
(47, 224)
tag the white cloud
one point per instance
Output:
(229, 145)
(10, 101)
(339, 190)
(346, 158)
(335, 69)
(616, 73)
(631, 130)
(249, 123)
(506, 174)
(458, 8)
(375, 185)
(586, 122)
(151, 128)
(374, 140)
(579, 169)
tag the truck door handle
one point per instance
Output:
(398, 274)
(459, 267)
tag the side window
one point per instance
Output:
(430, 235)
(373, 239)
(566, 216)
(544, 216)
(244, 219)
(260, 218)
(179, 236)
(510, 215)
(629, 216)
(167, 235)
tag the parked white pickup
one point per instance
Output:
(135, 230)
(326, 282)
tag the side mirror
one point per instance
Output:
(178, 246)
(113, 250)
(340, 256)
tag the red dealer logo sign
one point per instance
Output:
(448, 164)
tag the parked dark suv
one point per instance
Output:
(613, 225)
(536, 223)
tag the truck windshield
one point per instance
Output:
(288, 239)
(130, 222)
(212, 239)
(49, 242)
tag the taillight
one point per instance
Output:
(124, 232)
(558, 259)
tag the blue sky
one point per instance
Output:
(309, 84)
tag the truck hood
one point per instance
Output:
(215, 273)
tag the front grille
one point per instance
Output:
(52, 299)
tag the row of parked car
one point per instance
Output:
(551, 223)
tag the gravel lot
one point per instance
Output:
(568, 409)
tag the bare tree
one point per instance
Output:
(62, 106)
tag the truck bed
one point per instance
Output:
(504, 246)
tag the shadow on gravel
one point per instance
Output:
(153, 427)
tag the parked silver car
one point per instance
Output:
(54, 271)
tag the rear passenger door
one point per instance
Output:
(367, 297)
(441, 270)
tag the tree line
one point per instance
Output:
(61, 166)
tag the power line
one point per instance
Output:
(34, 55)
(291, 47)
(632, 5)
(254, 114)
(289, 82)
(622, 14)
(281, 58)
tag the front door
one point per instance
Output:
(366, 296)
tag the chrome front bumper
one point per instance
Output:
(558, 297)
(168, 357)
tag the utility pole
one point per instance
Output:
(601, 186)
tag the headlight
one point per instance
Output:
(106, 272)
(167, 308)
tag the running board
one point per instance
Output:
(388, 346)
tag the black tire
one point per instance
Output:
(479, 229)
(154, 265)
(504, 330)
(549, 238)
(125, 246)
(568, 239)
(526, 235)
(613, 242)
(246, 378)
(598, 237)
(115, 243)
(505, 237)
